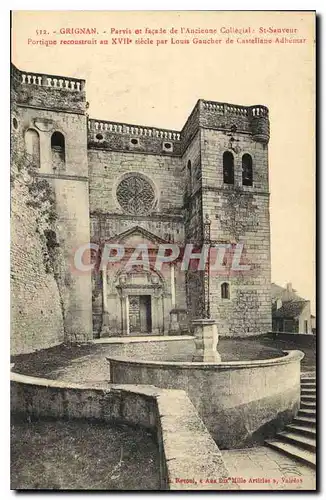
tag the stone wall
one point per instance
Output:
(193, 216)
(241, 403)
(187, 451)
(36, 308)
(193, 196)
(49, 91)
(149, 349)
(239, 215)
(108, 221)
(106, 169)
(305, 319)
(112, 136)
(191, 127)
(252, 120)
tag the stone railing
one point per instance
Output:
(128, 129)
(259, 111)
(51, 81)
(224, 108)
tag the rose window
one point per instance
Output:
(135, 195)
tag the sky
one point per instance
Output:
(159, 86)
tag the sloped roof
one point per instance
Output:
(280, 292)
(276, 290)
(290, 309)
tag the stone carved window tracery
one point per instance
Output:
(135, 195)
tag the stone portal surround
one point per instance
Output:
(187, 451)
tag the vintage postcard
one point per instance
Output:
(163, 323)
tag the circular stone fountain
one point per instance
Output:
(241, 402)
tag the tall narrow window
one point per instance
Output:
(246, 170)
(225, 291)
(228, 168)
(32, 141)
(189, 176)
(58, 150)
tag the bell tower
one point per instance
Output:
(235, 198)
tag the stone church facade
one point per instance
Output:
(131, 184)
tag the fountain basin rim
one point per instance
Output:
(289, 356)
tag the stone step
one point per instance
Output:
(305, 387)
(307, 411)
(308, 421)
(310, 405)
(293, 451)
(308, 393)
(308, 397)
(308, 390)
(308, 443)
(301, 428)
(311, 373)
(310, 380)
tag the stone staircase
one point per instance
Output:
(298, 439)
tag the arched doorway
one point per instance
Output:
(140, 297)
